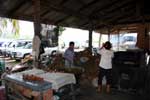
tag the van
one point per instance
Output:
(129, 41)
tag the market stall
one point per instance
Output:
(36, 84)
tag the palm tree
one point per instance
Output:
(4, 24)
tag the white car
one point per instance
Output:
(129, 42)
(17, 44)
(50, 50)
(20, 53)
(4, 47)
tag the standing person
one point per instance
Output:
(69, 55)
(105, 66)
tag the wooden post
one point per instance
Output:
(142, 38)
(90, 38)
(37, 30)
(108, 34)
(149, 37)
(37, 24)
(118, 39)
(100, 38)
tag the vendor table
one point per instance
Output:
(52, 81)
(18, 89)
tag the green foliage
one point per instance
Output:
(15, 24)
(4, 25)
(59, 30)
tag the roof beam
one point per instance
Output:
(88, 5)
(63, 2)
(61, 20)
(113, 20)
(132, 22)
(122, 16)
(122, 5)
(105, 7)
(108, 21)
(114, 16)
(3, 12)
(81, 2)
(21, 16)
(17, 6)
(30, 18)
(68, 12)
(64, 10)
(44, 13)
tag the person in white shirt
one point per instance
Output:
(105, 66)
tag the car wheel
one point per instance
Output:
(53, 52)
(25, 55)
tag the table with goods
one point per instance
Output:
(36, 84)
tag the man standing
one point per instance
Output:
(69, 55)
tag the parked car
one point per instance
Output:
(20, 53)
(129, 41)
(3, 47)
(16, 44)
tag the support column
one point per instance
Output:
(90, 38)
(37, 23)
(100, 38)
(118, 39)
(108, 34)
(143, 38)
(37, 30)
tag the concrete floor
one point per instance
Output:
(90, 93)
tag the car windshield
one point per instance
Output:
(129, 38)
(28, 46)
(5, 44)
(18, 44)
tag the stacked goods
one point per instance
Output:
(86, 60)
(57, 61)
(32, 78)
(83, 58)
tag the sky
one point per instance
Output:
(75, 35)
(26, 29)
